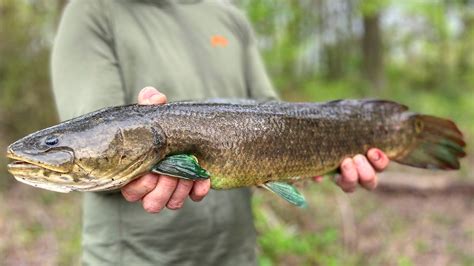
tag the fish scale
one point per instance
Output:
(240, 143)
(268, 141)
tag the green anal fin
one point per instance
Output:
(182, 166)
(287, 192)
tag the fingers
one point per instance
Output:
(150, 95)
(157, 199)
(180, 194)
(349, 176)
(139, 187)
(360, 170)
(200, 189)
(172, 193)
(357, 170)
(156, 192)
(378, 159)
(366, 172)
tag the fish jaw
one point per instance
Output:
(61, 161)
(47, 186)
(34, 175)
(40, 176)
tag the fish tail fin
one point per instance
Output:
(439, 144)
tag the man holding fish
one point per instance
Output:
(104, 53)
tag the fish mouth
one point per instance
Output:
(21, 164)
(44, 185)
(35, 174)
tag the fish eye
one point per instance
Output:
(51, 141)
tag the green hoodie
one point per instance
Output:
(104, 53)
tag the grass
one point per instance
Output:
(385, 229)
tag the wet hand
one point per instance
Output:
(159, 191)
(360, 170)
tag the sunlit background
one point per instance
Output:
(420, 53)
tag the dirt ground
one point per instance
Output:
(432, 230)
(382, 228)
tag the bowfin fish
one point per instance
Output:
(234, 144)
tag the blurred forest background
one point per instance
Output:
(420, 53)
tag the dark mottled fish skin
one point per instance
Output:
(244, 143)
(248, 144)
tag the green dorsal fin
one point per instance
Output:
(287, 192)
(182, 166)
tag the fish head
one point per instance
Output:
(100, 151)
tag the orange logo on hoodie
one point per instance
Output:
(219, 40)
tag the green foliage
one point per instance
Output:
(428, 66)
(433, 13)
(278, 243)
(312, 51)
(286, 244)
(371, 7)
(405, 261)
(25, 34)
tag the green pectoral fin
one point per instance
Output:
(182, 166)
(287, 192)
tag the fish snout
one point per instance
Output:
(9, 152)
(59, 160)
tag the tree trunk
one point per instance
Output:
(372, 50)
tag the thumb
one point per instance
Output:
(150, 95)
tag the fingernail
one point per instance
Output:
(174, 205)
(376, 156)
(148, 88)
(143, 92)
(156, 98)
(147, 92)
(151, 208)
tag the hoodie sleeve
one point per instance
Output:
(85, 72)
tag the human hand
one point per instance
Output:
(360, 170)
(159, 191)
